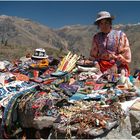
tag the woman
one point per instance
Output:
(110, 48)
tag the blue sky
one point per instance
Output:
(56, 14)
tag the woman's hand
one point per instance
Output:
(113, 56)
(120, 57)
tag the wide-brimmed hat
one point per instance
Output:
(103, 15)
(39, 53)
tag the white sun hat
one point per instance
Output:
(40, 53)
(103, 15)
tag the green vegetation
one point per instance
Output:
(11, 53)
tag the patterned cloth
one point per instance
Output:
(115, 42)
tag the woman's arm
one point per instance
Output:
(94, 50)
(124, 51)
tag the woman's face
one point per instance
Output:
(104, 25)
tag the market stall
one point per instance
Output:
(69, 97)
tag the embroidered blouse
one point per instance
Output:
(114, 42)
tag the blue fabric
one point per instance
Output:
(131, 79)
(118, 92)
(3, 93)
(78, 96)
(8, 109)
(58, 73)
(66, 86)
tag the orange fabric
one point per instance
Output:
(41, 64)
(105, 65)
(49, 81)
(21, 77)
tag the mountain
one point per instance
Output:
(24, 35)
(79, 37)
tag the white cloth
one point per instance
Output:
(127, 104)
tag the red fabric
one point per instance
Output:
(105, 65)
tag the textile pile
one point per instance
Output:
(65, 95)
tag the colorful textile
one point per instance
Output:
(3, 92)
(71, 88)
(21, 77)
(8, 110)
